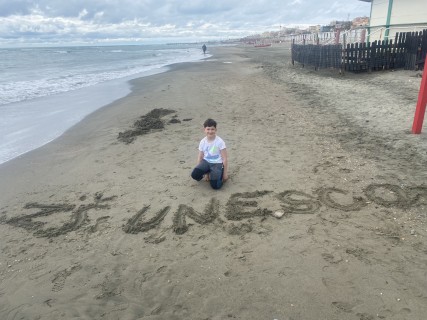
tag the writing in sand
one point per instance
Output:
(238, 207)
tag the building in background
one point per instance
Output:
(390, 16)
(360, 22)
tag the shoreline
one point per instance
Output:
(96, 228)
(83, 102)
(89, 100)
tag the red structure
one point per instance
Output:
(421, 104)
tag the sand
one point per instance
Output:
(324, 215)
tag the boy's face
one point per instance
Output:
(210, 132)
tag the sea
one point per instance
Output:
(45, 91)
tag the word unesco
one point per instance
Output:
(239, 206)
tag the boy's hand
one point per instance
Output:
(224, 177)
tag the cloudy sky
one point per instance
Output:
(27, 22)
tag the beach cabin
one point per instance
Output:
(391, 16)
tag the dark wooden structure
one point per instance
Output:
(408, 51)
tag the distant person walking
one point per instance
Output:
(204, 49)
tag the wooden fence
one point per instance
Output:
(407, 51)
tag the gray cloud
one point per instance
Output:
(129, 20)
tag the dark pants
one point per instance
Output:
(215, 171)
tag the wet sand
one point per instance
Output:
(105, 222)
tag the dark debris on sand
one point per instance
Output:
(145, 124)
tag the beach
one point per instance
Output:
(105, 222)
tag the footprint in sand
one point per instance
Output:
(59, 279)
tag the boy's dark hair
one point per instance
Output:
(209, 123)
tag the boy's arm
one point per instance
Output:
(200, 157)
(225, 163)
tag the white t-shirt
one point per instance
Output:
(212, 149)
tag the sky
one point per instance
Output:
(53, 22)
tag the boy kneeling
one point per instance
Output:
(212, 159)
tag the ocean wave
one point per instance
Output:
(77, 77)
(26, 90)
